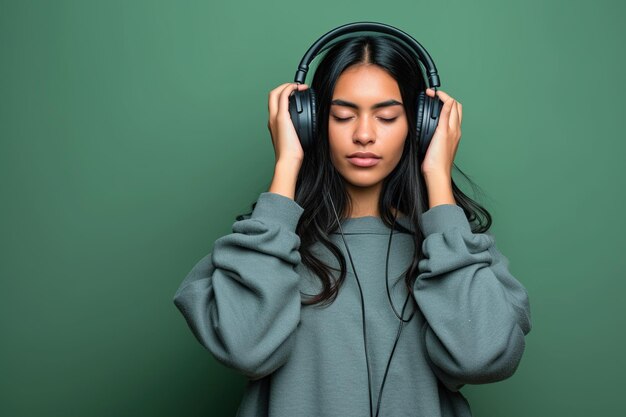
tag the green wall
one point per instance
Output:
(133, 132)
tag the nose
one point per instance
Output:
(364, 132)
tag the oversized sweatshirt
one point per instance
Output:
(242, 301)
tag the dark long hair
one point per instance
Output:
(318, 176)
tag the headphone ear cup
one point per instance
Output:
(421, 144)
(313, 117)
(427, 120)
(302, 110)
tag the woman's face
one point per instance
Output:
(369, 100)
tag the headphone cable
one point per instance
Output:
(402, 320)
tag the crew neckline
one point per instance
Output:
(370, 225)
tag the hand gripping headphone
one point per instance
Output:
(303, 106)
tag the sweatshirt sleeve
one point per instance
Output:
(477, 314)
(242, 300)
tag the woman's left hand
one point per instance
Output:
(442, 149)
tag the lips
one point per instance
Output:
(363, 162)
(363, 155)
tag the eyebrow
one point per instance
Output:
(387, 103)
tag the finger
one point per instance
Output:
(275, 97)
(272, 102)
(454, 116)
(443, 96)
(430, 92)
(444, 116)
(283, 104)
(460, 108)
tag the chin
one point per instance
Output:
(364, 179)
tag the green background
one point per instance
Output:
(133, 132)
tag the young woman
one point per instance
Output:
(427, 303)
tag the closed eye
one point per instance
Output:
(340, 120)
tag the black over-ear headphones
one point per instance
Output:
(303, 106)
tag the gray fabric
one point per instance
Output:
(242, 302)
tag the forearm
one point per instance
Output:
(284, 180)
(439, 190)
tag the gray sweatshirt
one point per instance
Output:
(242, 303)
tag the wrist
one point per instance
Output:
(437, 176)
(285, 178)
(440, 190)
(288, 164)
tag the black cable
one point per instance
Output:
(401, 316)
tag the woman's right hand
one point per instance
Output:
(286, 143)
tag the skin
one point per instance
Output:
(367, 130)
(365, 85)
(439, 158)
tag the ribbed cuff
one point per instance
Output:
(443, 217)
(277, 209)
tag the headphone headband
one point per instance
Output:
(424, 57)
